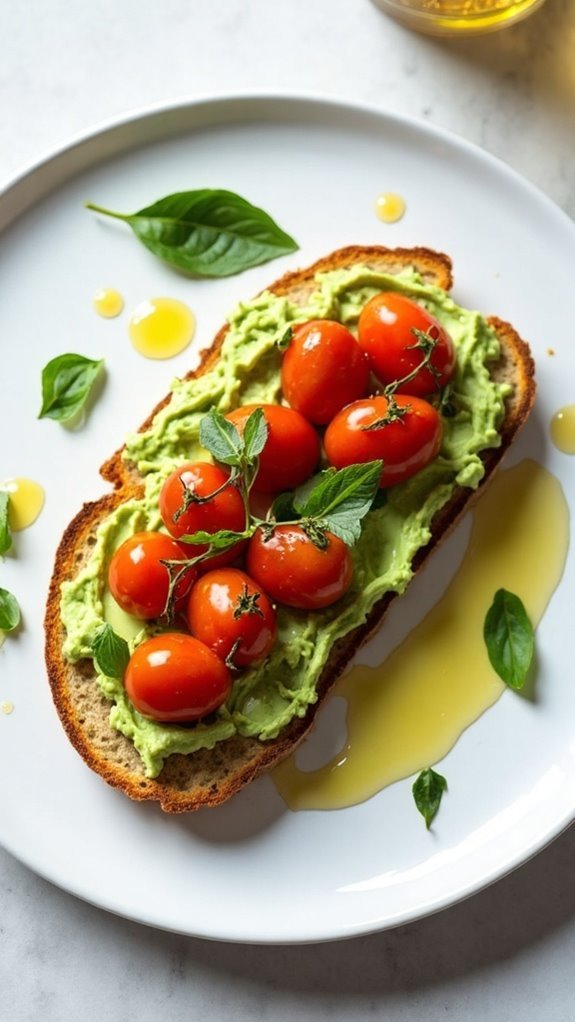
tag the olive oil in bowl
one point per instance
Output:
(458, 17)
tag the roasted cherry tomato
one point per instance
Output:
(404, 431)
(260, 503)
(233, 616)
(292, 448)
(293, 570)
(137, 579)
(183, 515)
(323, 369)
(174, 677)
(386, 333)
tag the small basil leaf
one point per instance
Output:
(217, 540)
(427, 792)
(207, 232)
(9, 611)
(5, 534)
(341, 499)
(282, 509)
(301, 495)
(66, 383)
(221, 438)
(508, 635)
(255, 434)
(111, 652)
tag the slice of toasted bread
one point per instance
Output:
(208, 777)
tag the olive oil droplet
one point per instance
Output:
(7, 708)
(563, 429)
(108, 303)
(26, 500)
(389, 207)
(161, 327)
(409, 711)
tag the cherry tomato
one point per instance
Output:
(183, 516)
(233, 616)
(323, 369)
(292, 448)
(385, 333)
(260, 503)
(407, 439)
(293, 570)
(137, 579)
(174, 677)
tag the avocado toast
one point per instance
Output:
(185, 768)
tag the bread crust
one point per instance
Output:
(209, 777)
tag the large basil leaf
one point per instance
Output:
(207, 233)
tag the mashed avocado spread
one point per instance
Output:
(266, 698)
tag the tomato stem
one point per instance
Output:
(190, 497)
(247, 603)
(426, 343)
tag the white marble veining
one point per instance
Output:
(508, 951)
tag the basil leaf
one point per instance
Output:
(5, 534)
(66, 383)
(427, 792)
(9, 611)
(207, 233)
(283, 508)
(255, 434)
(217, 540)
(508, 635)
(341, 499)
(111, 652)
(221, 438)
(301, 495)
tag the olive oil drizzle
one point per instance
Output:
(407, 712)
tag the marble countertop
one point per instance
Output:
(507, 951)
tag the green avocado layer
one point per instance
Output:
(265, 699)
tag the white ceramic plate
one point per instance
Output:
(251, 870)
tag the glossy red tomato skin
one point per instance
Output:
(138, 581)
(294, 571)
(323, 370)
(174, 677)
(385, 334)
(216, 618)
(292, 448)
(224, 511)
(406, 446)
